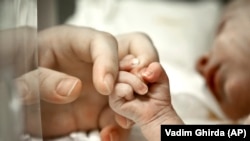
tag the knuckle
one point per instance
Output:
(127, 88)
(106, 37)
(141, 35)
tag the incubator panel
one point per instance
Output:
(19, 108)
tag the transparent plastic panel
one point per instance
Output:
(19, 107)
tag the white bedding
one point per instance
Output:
(180, 31)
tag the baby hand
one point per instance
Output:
(149, 110)
(142, 109)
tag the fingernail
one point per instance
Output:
(135, 61)
(66, 86)
(147, 73)
(109, 82)
(144, 89)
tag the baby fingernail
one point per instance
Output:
(143, 89)
(66, 86)
(147, 73)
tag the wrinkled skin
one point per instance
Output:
(148, 110)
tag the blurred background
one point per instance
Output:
(53, 12)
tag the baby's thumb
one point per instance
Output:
(48, 85)
(155, 73)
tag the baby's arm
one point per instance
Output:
(149, 110)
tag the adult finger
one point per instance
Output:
(82, 44)
(128, 62)
(48, 85)
(140, 46)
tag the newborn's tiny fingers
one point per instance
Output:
(152, 73)
(124, 91)
(134, 81)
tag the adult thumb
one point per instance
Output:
(48, 85)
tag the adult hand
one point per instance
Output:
(75, 53)
(77, 65)
(19, 54)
